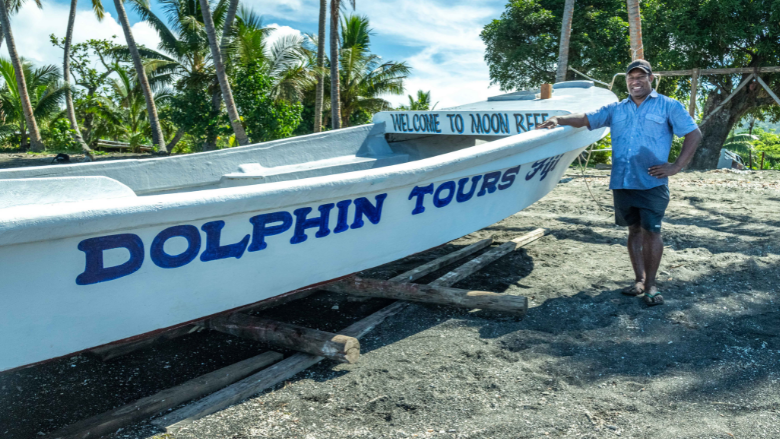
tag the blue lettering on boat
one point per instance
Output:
(263, 226)
(543, 167)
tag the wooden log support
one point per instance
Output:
(438, 263)
(311, 341)
(431, 294)
(485, 259)
(109, 422)
(295, 364)
(694, 87)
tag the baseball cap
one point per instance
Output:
(640, 64)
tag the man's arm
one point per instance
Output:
(577, 120)
(690, 144)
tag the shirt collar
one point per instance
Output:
(653, 94)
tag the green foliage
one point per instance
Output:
(58, 137)
(192, 110)
(264, 118)
(522, 45)
(421, 103)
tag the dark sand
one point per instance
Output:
(585, 362)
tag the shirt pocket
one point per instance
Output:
(619, 125)
(655, 126)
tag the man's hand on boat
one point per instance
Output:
(577, 120)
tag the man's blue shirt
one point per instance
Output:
(641, 137)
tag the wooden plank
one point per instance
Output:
(438, 263)
(336, 347)
(485, 259)
(109, 422)
(295, 364)
(694, 87)
(768, 90)
(431, 294)
(726, 71)
(733, 93)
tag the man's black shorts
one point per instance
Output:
(643, 206)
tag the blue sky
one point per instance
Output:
(438, 38)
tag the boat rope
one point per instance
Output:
(588, 77)
(582, 169)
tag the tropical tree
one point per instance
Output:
(335, 92)
(563, 51)
(97, 6)
(5, 23)
(320, 91)
(364, 76)
(151, 108)
(421, 103)
(227, 95)
(678, 34)
(44, 91)
(286, 62)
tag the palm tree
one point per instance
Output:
(44, 91)
(422, 103)
(563, 53)
(151, 109)
(335, 99)
(224, 85)
(287, 62)
(35, 135)
(635, 29)
(97, 6)
(184, 49)
(364, 77)
(320, 92)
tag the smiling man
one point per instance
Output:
(642, 126)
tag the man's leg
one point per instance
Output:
(636, 241)
(652, 251)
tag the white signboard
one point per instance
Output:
(485, 123)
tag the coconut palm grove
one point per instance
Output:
(216, 80)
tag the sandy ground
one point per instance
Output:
(585, 362)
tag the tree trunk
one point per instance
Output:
(172, 144)
(635, 29)
(151, 108)
(320, 92)
(35, 135)
(224, 85)
(563, 53)
(70, 110)
(227, 30)
(335, 101)
(717, 128)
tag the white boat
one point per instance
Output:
(96, 253)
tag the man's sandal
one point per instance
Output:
(633, 290)
(653, 299)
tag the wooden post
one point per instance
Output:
(430, 294)
(750, 160)
(635, 29)
(485, 259)
(547, 91)
(563, 50)
(297, 338)
(109, 422)
(694, 86)
(430, 267)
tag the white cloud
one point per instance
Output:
(31, 28)
(279, 32)
(449, 52)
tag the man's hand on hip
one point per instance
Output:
(663, 171)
